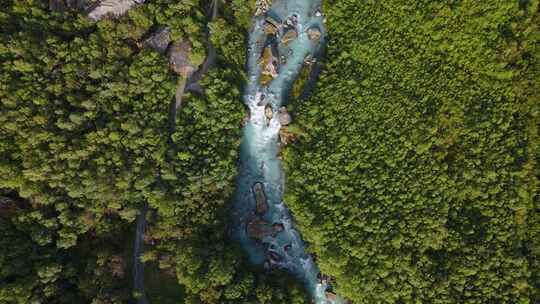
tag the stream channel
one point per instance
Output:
(284, 37)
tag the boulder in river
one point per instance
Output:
(289, 35)
(246, 118)
(258, 229)
(286, 137)
(331, 296)
(179, 62)
(274, 256)
(268, 112)
(314, 34)
(284, 116)
(262, 6)
(159, 40)
(292, 21)
(261, 204)
(309, 60)
(271, 26)
(278, 227)
(273, 18)
(270, 61)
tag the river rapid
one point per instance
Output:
(285, 36)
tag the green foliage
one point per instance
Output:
(84, 115)
(417, 180)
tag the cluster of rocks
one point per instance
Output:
(284, 118)
(262, 6)
(283, 115)
(179, 61)
(270, 63)
(160, 40)
(309, 60)
(177, 52)
(261, 205)
(290, 31)
(284, 32)
(269, 59)
(268, 113)
(258, 228)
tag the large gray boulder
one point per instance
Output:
(258, 229)
(284, 116)
(261, 205)
(112, 8)
(179, 58)
(159, 40)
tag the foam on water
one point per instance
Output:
(259, 149)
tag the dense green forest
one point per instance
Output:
(415, 176)
(84, 114)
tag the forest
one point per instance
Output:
(84, 122)
(413, 173)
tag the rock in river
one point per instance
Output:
(278, 227)
(258, 229)
(268, 112)
(284, 116)
(261, 205)
(286, 137)
(270, 61)
(261, 7)
(314, 34)
(289, 35)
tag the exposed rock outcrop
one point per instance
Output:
(112, 8)
(286, 137)
(289, 35)
(262, 6)
(284, 116)
(270, 61)
(259, 229)
(179, 62)
(268, 112)
(159, 40)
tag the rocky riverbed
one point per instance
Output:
(286, 35)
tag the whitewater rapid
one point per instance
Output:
(262, 223)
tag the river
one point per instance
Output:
(284, 36)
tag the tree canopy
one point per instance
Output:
(415, 178)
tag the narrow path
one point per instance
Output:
(138, 250)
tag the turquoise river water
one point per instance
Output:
(262, 223)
